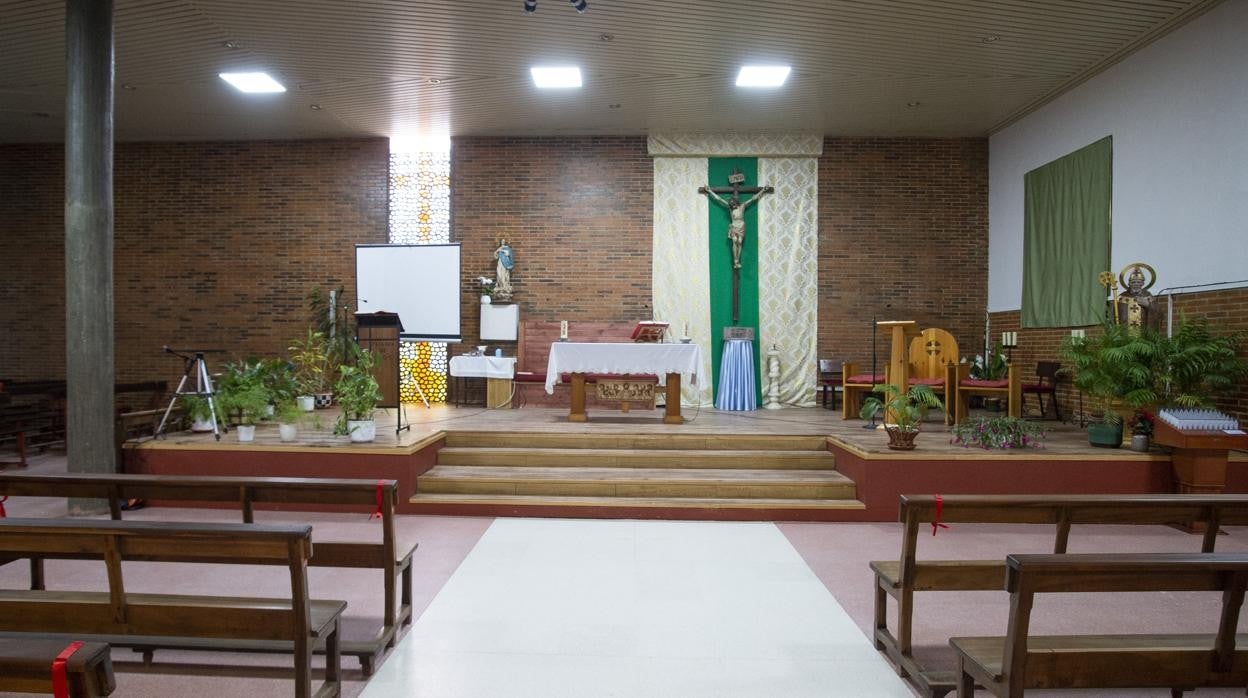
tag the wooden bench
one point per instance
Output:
(901, 579)
(216, 623)
(28, 425)
(246, 492)
(26, 667)
(1008, 665)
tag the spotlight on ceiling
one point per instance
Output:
(762, 75)
(557, 77)
(252, 82)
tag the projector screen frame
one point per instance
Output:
(412, 336)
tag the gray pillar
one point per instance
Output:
(89, 241)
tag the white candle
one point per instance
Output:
(563, 329)
(686, 332)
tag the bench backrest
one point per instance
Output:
(1028, 575)
(1064, 510)
(117, 541)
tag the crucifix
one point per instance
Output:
(736, 227)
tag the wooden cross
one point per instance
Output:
(736, 227)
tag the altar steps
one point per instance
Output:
(656, 475)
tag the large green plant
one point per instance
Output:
(310, 358)
(356, 390)
(242, 391)
(331, 316)
(907, 409)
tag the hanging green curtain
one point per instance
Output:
(1066, 238)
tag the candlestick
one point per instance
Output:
(563, 330)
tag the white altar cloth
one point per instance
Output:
(503, 367)
(631, 357)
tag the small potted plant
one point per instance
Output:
(243, 394)
(487, 289)
(1141, 430)
(197, 409)
(288, 415)
(358, 394)
(905, 410)
(310, 359)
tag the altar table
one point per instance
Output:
(667, 361)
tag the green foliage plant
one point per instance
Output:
(994, 367)
(310, 357)
(908, 409)
(242, 391)
(356, 390)
(196, 408)
(333, 319)
(998, 433)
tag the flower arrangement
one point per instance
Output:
(999, 433)
(487, 285)
(1142, 423)
(992, 368)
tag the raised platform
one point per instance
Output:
(793, 464)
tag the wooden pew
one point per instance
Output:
(127, 619)
(26, 667)
(1008, 665)
(396, 565)
(901, 579)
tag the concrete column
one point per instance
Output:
(89, 241)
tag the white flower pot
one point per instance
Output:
(201, 425)
(246, 433)
(269, 411)
(288, 432)
(307, 403)
(362, 430)
(485, 300)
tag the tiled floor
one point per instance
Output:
(634, 608)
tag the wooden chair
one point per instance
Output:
(144, 621)
(829, 381)
(25, 667)
(1008, 389)
(1046, 384)
(1009, 665)
(933, 354)
(902, 579)
(854, 387)
(385, 555)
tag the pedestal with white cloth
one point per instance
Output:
(498, 372)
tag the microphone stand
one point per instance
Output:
(873, 367)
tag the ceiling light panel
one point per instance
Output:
(762, 75)
(556, 77)
(253, 83)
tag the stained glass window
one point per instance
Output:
(420, 214)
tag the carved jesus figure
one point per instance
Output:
(736, 211)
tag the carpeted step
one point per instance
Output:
(688, 508)
(638, 458)
(637, 482)
(653, 441)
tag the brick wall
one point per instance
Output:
(903, 234)
(577, 211)
(1225, 310)
(216, 245)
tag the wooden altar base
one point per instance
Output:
(791, 464)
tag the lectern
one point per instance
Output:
(379, 333)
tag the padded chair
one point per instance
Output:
(1046, 384)
(1008, 388)
(854, 387)
(829, 382)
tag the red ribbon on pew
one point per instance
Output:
(380, 493)
(940, 504)
(60, 681)
(3, 514)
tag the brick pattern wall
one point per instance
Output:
(1224, 310)
(903, 234)
(577, 211)
(216, 245)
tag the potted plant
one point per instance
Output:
(487, 289)
(905, 410)
(358, 394)
(197, 409)
(999, 433)
(331, 316)
(1141, 430)
(278, 378)
(990, 368)
(310, 359)
(288, 415)
(243, 394)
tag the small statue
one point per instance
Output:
(502, 286)
(1133, 306)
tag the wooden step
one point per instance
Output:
(637, 482)
(750, 508)
(661, 441)
(638, 458)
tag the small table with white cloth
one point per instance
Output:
(498, 372)
(667, 361)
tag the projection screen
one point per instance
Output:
(419, 282)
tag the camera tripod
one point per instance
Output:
(194, 359)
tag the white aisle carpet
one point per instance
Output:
(583, 609)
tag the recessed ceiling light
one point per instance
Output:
(762, 75)
(613, 106)
(229, 44)
(128, 86)
(253, 82)
(316, 107)
(556, 76)
(606, 37)
(913, 104)
(991, 38)
(434, 81)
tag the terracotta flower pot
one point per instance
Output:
(899, 440)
